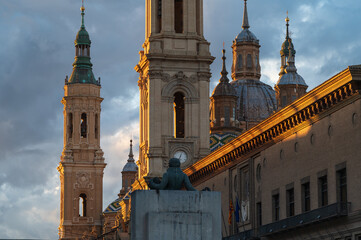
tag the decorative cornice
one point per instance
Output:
(342, 88)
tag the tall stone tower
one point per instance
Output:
(174, 75)
(82, 163)
(290, 85)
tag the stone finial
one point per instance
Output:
(224, 72)
(291, 61)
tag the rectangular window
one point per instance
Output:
(226, 116)
(284, 101)
(159, 17)
(322, 191)
(276, 207)
(306, 197)
(290, 194)
(178, 16)
(198, 17)
(259, 214)
(341, 186)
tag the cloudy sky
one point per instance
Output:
(36, 53)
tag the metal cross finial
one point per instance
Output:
(82, 9)
(82, 6)
(287, 19)
(287, 24)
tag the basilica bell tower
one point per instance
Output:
(82, 163)
(174, 75)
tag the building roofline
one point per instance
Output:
(299, 114)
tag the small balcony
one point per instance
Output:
(317, 215)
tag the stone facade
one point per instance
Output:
(294, 175)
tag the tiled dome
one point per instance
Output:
(256, 100)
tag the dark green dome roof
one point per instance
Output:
(82, 66)
(81, 75)
(82, 37)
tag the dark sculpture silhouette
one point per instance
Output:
(173, 179)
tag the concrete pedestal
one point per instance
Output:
(180, 215)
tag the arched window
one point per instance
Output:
(70, 125)
(178, 115)
(82, 205)
(96, 126)
(249, 61)
(239, 61)
(83, 125)
(178, 16)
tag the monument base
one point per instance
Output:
(180, 215)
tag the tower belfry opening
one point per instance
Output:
(178, 16)
(83, 125)
(179, 115)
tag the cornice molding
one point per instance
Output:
(332, 95)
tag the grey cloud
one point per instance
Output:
(36, 39)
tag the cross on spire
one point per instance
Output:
(287, 24)
(82, 9)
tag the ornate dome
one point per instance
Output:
(291, 78)
(286, 45)
(224, 89)
(246, 36)
(82, 66)
(130, 166)
(256, 100)
(82, 37)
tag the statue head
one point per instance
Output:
(174, 162)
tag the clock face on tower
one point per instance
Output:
(181, 155)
